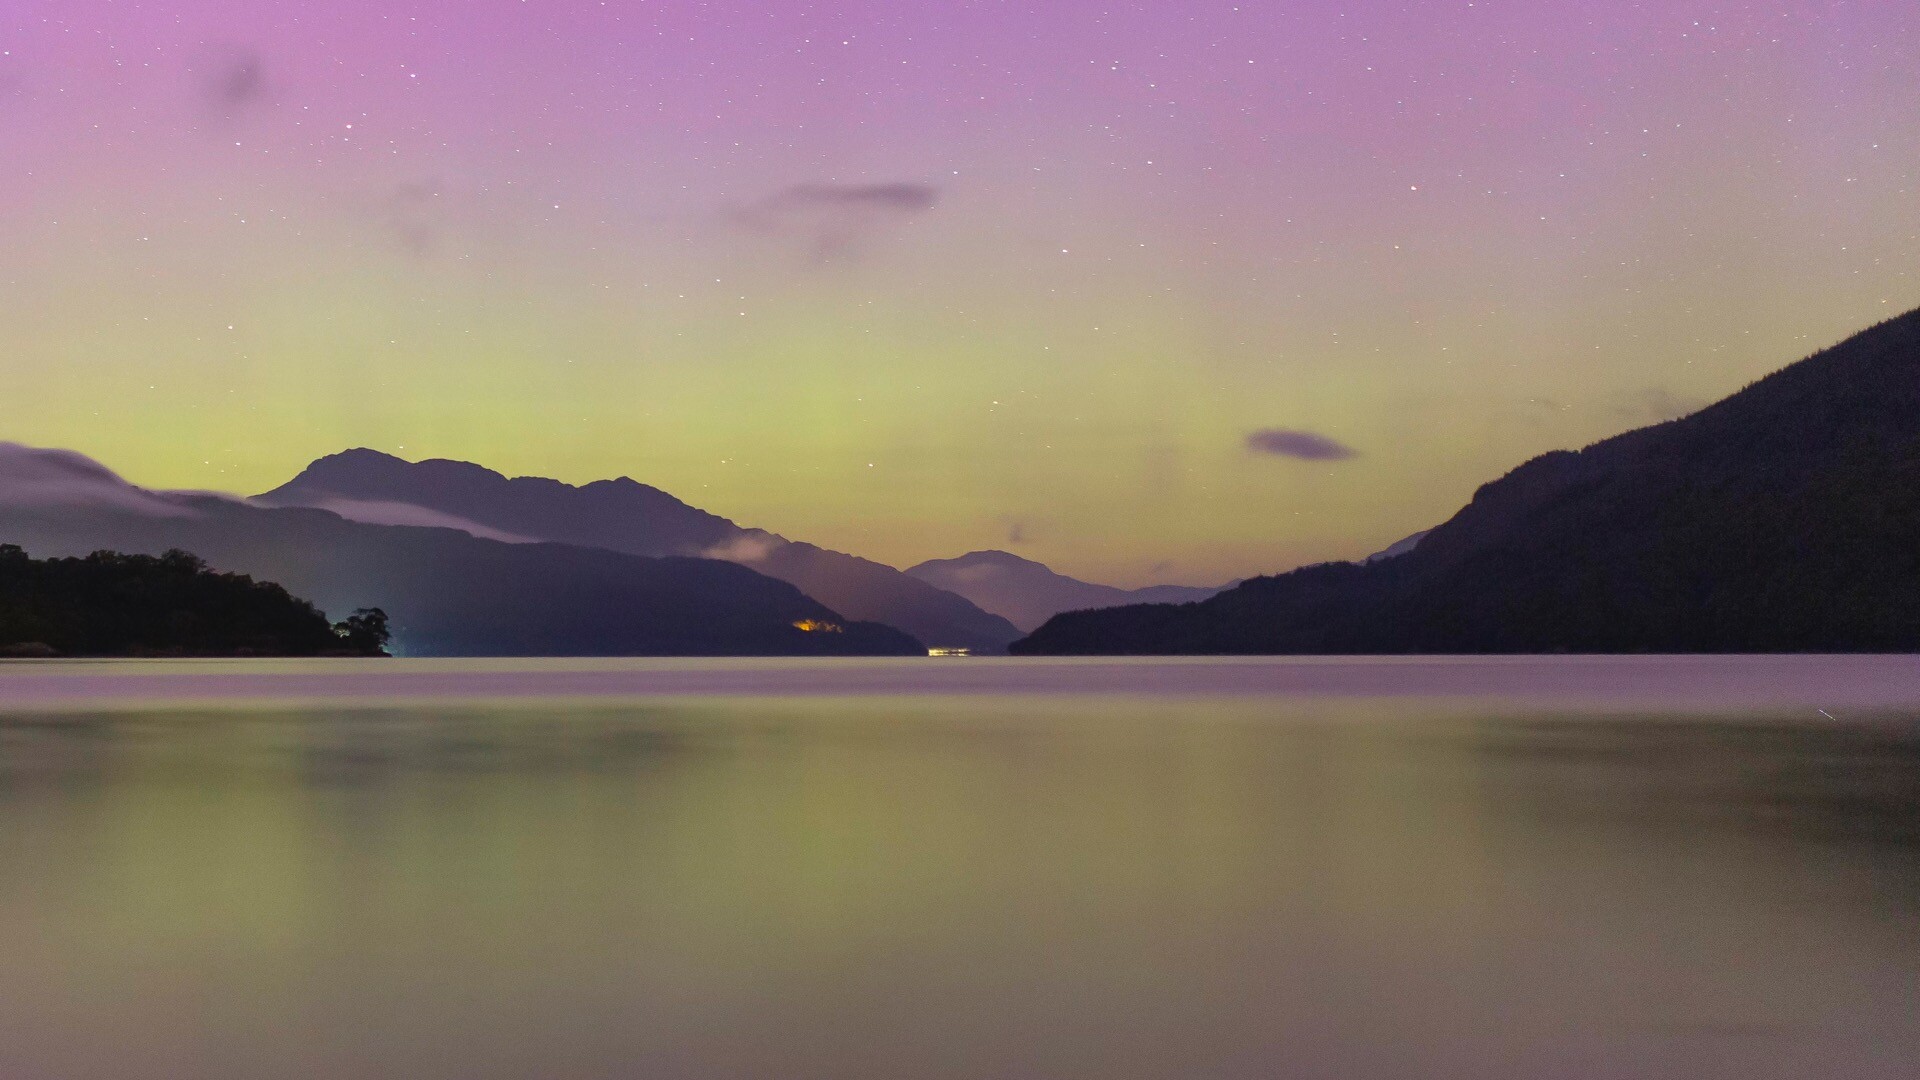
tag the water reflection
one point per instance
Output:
(1855, 779)
(940, 886)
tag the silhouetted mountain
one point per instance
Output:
(1784, 518)
(1029, 593)
(110, 604)
(619, 515)
(1398, 547)
(449, 593)
(622, 515)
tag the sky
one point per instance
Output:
(1173, 291)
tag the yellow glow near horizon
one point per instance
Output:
(903, 312)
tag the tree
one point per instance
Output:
(365, 631)
(181, 561)
(114, 604)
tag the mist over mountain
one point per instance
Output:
(619, 515)
(626, 516)
(1028, 593)
(449, 593)
(1783, 518)
(32, 476)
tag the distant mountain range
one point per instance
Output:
(449, 593)
(1028, 593)
(471, 562)
(1784, 518)
(626, 516)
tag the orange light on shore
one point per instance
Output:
(817, 626)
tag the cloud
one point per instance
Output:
(231, 79)
(1657, 404)
(379, 512)
(409, 213)
(749, 548)
(31, 477)
(1304, 445)
(836, 222)
(896, 198)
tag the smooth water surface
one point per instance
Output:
(1473, 868)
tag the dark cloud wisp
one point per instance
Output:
(1304, 445)
(231, 79)
(1657, 404)
(410, 214)
(896, 198)
(836, 221)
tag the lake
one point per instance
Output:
(962, 868)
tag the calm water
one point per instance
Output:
(1652, 867)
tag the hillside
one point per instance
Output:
(448, 593)
(1028, 593)
(626, 516)
(1783, 518)
(110, 604)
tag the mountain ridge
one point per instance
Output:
(449, 593)
(1027, 593)
(1785, 517)
(627, 516)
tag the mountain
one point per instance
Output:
(1028, 593)
(626, 516)
(619, 515)
(109, 604)
(1398, 547)
(449, 593)
(1785, 518)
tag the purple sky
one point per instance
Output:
(910, 279)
